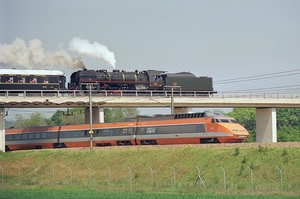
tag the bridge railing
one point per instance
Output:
(145, 93)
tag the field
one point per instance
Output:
(182, 171)
(79, 194)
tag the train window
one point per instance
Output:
(106, 132)
(8, 137)
(46, 80)
(37, 135)
(81, 133)
(53, 79)
(125, 131)
(21, 79)
(31, 136)
(44, 135)
(10, 80)
(18, 137)
(77, 133)
(217, 120)
(33, 80)
(96, 132)
(233, 121)
(24, 136)
(74, 134)
(117, 131)
(213, 121)
(224, 120)
(200, 128)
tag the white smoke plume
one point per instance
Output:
(33, 54)
(95, 49)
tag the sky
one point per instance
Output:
(244, 45)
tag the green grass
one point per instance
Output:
(51, 170)
(79, 194)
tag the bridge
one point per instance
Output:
(179, 102)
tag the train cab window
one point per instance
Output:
(224, 120)
(233, 121)
(213, 121)
(157, 78)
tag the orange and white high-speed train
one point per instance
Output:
(192, 128)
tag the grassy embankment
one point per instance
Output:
(51, 169)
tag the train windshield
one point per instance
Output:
(223, 120)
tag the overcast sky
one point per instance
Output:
(224, 39)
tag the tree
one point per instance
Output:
(36, 119)
(71, 116)
(118, 114)
(288, 124)
(77, 115)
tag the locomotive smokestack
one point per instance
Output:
(95, 49)
(78, 63)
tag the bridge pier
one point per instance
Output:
(97, 115)
(2, 129)
(266, 130)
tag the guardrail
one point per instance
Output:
(145, 93)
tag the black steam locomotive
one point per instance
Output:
(13, 79)
(139, 80)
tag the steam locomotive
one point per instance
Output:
(13, 79)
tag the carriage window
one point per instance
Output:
(31, 136)
(18, 137)
(125, 131)
(45, 81)
(10, 80)
(33, 80)
(106, 132)
(21, 79)
(38, 135)
(8, 137)
(24, 136)
(77, 133)
(53, 79)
